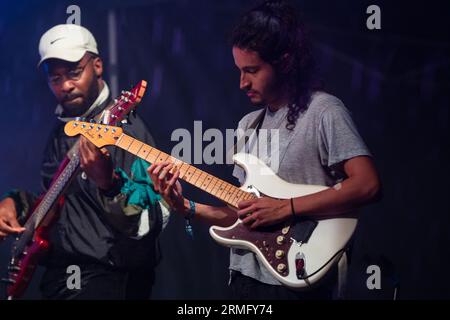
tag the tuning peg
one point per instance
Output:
(13, 268)
(8, 280)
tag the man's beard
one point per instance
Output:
(77, 109)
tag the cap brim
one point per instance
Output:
(63, 54)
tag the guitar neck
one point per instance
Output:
(57, 187)
(218, 188)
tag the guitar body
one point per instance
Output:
(296, 265)
(27, 255)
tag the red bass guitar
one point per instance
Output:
(31, 245)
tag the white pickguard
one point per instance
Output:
(329, 237)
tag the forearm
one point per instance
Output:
(220, 216)
(343, 197)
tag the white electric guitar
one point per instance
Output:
(297, 253)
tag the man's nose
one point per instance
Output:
(244, 83)
(67, 85)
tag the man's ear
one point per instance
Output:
(98, 66)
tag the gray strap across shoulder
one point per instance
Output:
(256, 124)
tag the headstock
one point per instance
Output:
(124, 104)
(99, 134)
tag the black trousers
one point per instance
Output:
(246, 288)
(98, 282)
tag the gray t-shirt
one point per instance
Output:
(312, 153)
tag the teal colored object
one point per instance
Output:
(138, 187)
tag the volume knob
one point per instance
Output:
(279, 254)
(280, 240)
(281, 267)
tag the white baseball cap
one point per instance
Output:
(67, 42)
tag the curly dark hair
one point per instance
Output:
(273, 29)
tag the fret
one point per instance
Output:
(228, 192)
(125, 142)
(250, 196)
(220, 189)
(174, 161)
(195, 176)
(135, 146)
(150, 158)
(144, 151)
(237, 198)
(153, 155)
(179, 164)
(119, 141)
(162, 157)
(234, 203)
(225, 194)
(171, 159)
(231, 195)
(189, 172)
(225, 191)
(217, 188)
(156, 155)
(198, 183)
(211, 186)
(207, 181)
(240, 195)
(183, 168)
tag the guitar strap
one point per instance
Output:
(256, 124)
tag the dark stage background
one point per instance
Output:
(395, 81)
